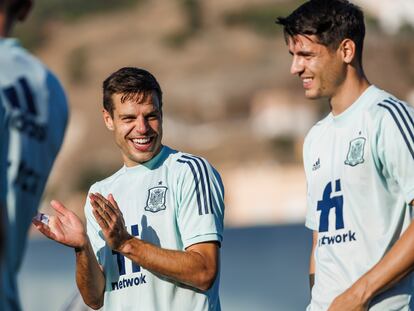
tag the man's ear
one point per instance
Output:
(109, 121)
(347, 49)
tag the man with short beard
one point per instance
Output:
(155, 227)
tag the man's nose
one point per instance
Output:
(297, 65)
(141, 125)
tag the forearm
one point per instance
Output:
(89, 277)
(395, 265)
(189, 267)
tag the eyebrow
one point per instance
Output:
(306, 53)
(125, 115)
(302, 53)
(154, 111)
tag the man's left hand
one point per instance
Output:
(110, 219)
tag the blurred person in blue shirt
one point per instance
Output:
(33, 118)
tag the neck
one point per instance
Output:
(349, 91)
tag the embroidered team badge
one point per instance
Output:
(356, 151)
(156, 199)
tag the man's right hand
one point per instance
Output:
(65, 227)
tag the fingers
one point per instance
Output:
(101, 211)
(43, 229)
(106, 204)
(102, 222)
(109, 217)
(107, 212)
(107, 209)
(59, 207)
(113, 202)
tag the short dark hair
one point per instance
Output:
(129, 81)
(331, 21)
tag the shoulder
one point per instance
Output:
(393, 123)
(11, 49)
(382, 103)
(14, 54)
(185, 160)
(19, 64)
(187, 165)
(388, 110)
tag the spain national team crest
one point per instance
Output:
(156, 199)
(356, 151)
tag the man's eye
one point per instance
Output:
(152, 116)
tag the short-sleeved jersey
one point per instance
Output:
(173, 201)
(33, 117)
(360, 173)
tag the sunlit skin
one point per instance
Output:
(137, 127)
(326, 72)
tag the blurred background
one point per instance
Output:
(228, 96)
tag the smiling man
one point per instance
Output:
(359, 165)
(154, 228)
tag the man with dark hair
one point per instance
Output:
(154, 228)
(33, 117)
(125, 82)
(359, 164)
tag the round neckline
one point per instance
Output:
(357, 104)
(146, 165)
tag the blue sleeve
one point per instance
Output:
(2, 114)
(3, 154)
(58, 110)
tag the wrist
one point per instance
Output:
(83, 245)
(364, 290)
(125, 247)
